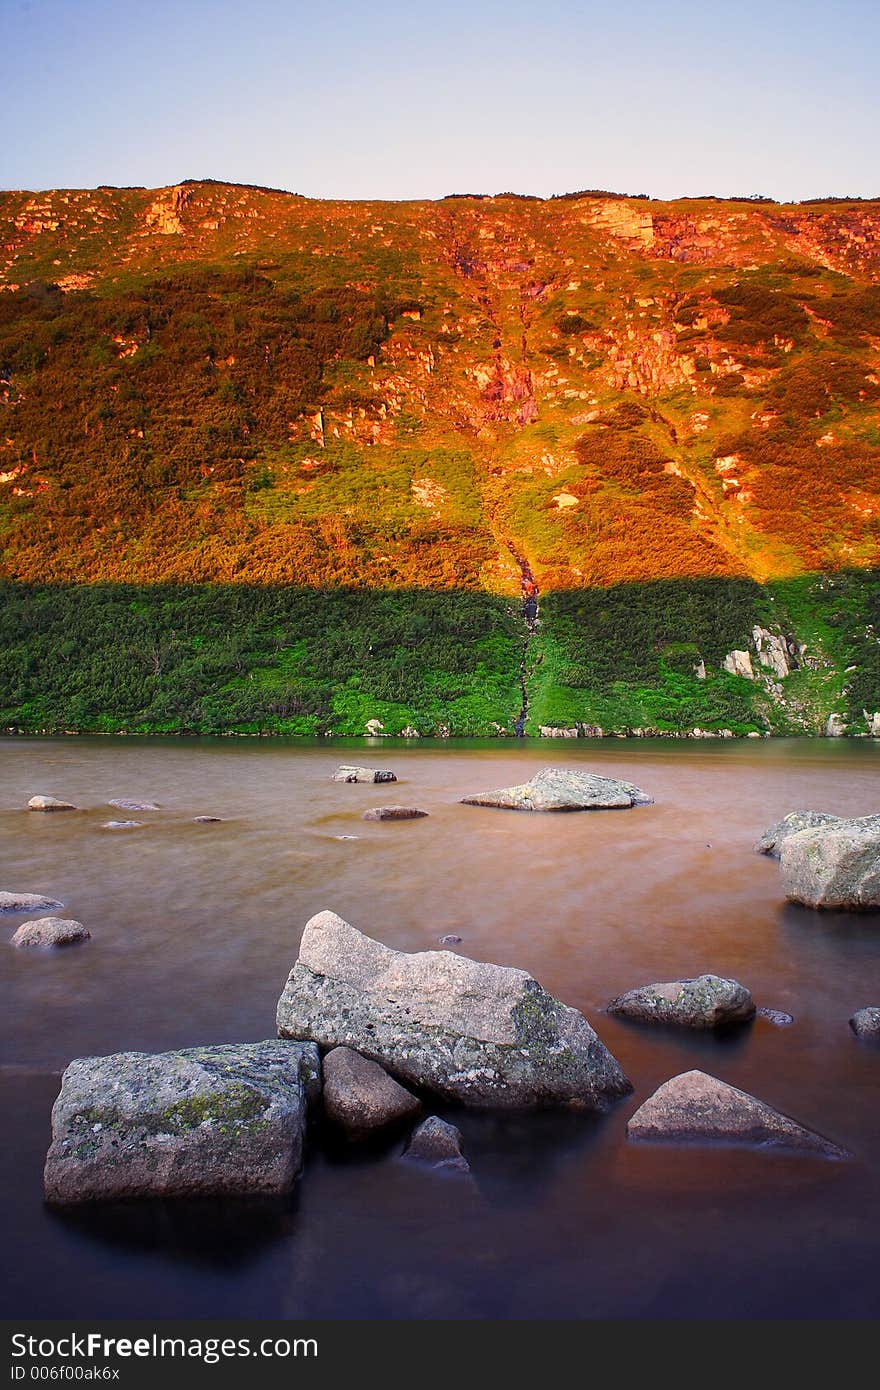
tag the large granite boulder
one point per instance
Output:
(709, 1001)
(698, 1108)
(483, 1035)
(437, 1144)
(865, 1023)
(27, 902)
(363, 774)
(206, 1120)
(563, 789)
(359, 1095)
(834, 866)
(50, 803)
(772, 840)
(51, 931)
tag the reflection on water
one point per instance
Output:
(195, 928)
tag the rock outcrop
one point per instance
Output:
(865, 1023)
(708, 1001)
(202, 1121)
(484, 1035)
(563, 789)
(772, 840)
(363, 774)
(50, 803)
(437, 1144)
(27, 902)
(359, 1095)
(394, 813)
(698, 1108)
(51, 931)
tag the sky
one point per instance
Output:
(397, 99)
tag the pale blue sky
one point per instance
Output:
(408, 100)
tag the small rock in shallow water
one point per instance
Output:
(50, 803)
(51, 931)
(705, 1002)
(563, 789)
(363, 774)
(865, 1023)
(26, 902)
(698, 1108)
(778, 1017)
(122, 803)
(360, 1097)
(206, 820)
(225, 1120)
(449, 940)
(121, 824)
(393, 813)
(437, 1144)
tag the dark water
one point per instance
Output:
(195, 928)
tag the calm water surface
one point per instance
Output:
(196, 926)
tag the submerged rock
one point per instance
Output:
(450, 940)
(485, 1035)
(708, 1001)
(122, 825)
(51, 931)
(393, 813)
(205, 1120)
(363, 774)
(50, 803)
(834, 866)
(772, 840)
(359, 1095)
(206, 820)
(865, 1023)
(698, 1108)
(563, 789)
(26, 902)
(778, 1017)
(122, 803)
(437, 1144)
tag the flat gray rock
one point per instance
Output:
(708, 1001)
(484, 1035)
(393, 813)
(865, 1023)
(202, 1121)
(359, 1095)
(51, 931)
(834, 866)
(563, 789)
(437, 1144)
(778, 1017)
(363, 774)
(772, 840)
(698, 1108)
(26, 902)
(123, 803)
(50, 803)
(122, 825)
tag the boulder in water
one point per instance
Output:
(363, 774)
(708, 1001)
(563, 789)
(484, 1035)
(437, 1144)
(698, 1108)
(203, 1121)
(51, 931)
(123, 803)
(865, 1023)
(394, 813)
(359, 1095)
(834, 866)
(26, 902)
(50, 803)
(772, 840)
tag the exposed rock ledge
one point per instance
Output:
(484, 1035)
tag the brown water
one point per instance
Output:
(196, 926)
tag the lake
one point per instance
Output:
(195, 928)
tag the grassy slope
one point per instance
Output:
(671, 411)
